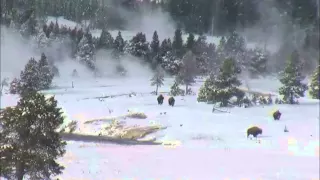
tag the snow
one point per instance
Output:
(208, 145)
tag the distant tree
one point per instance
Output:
(75, 73)
(15, 86)
(202, 57)
(29, 27)
(314, 90)
(139, 46)
(291, 79)
(86, 52)
(55, 70)
(206, 91)
(175, 90)
(187, 71)
(158, 78)
(105, 40)
(118, 46)
(155, 55)
(30, 143)
(177, 43)
(155, 44)
(258, 62)
(30, 77)
(190, 42)
(4, 83)
(42, 40)
(166, 46)
(223, 87)
(45, 73)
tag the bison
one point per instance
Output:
(277, 115)
(171, 101)
(254, 131)
(160, 99)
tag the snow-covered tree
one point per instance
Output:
(105, 40)
(30, 143)
(206, 90)
(224, 86)
(177, 43)
(258, 62)
(166, 46)
(171, 63)
(201, 52)
(29, 27)
(155, 44)
(15, 86)
(175, 89)
(314, 90)
(155, 56)
(85, 53)
(187, 71)
(42, 40)
(30, 77)
(138, 46)
(75, 73)
(45, 73)
(190, 42)
(291, 79)
(158, 78)
(4, 83)
(118, 47)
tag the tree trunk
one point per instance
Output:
(157, 90)
(186, 89)
(19, 171)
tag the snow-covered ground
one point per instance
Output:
(208, 145)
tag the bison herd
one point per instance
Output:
(254, 131)
(160, 99)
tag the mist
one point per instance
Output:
(15, 53)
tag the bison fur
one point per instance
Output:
(171, 101)
(254, 131)
(160, 99)
(277, 115)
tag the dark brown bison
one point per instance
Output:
(254, 131)
(160, 99)
(171, 101)
(277, 115)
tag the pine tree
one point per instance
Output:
(225, 85)
(175, 89)
(105, 40)
(188, 70)
(291, 79)
(85, 51)
(165, 47)
(206, 90)
(15, 86)
(29, 27)
(190, 42)
(30, 77)
(30, 143)
(139, 46)
(118, 46)
(155, 44)
(45, 73)
(202, 58)
(258, 62)
(158, 78)
(314, 90)
(177, 44)
(42, 40)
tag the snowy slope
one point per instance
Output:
(209, 145)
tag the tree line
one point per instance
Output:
(196, 16)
